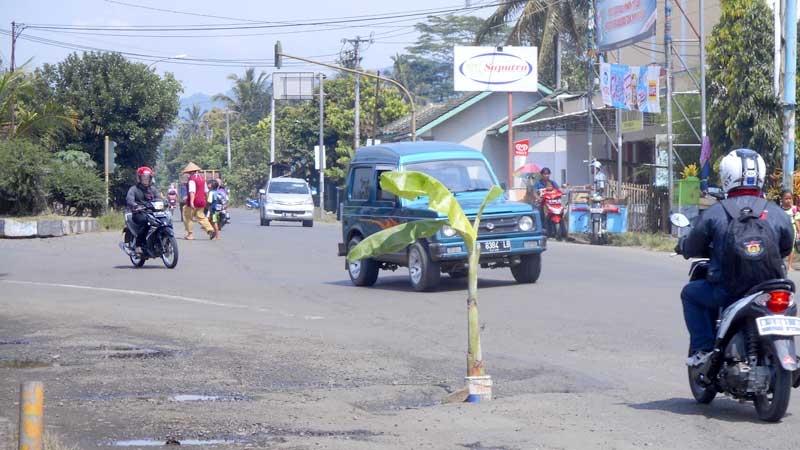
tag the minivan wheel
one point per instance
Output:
(423, 273)
(363, 272)
(528, 269)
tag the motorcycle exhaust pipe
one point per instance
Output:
(128, 251)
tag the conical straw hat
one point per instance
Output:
(191, 167)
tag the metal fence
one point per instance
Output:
(648, 206)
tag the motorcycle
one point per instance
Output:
(172, 200)
(598, 210)
(754, 357)
(251, 203)
(554, 213)
(160, 241)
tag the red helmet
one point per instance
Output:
(143, 171)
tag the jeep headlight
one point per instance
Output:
(448, 231)
(525, 223)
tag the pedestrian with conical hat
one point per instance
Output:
(195, 202)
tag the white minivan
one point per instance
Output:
(287, 199)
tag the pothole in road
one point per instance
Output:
(23, 364)
(14, 341)
(188, 398)
(479, 446)
(131, 352)
(171, 442)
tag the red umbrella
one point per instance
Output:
(528, 168)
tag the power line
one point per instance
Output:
(260, 25)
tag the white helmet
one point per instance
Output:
(742, 168)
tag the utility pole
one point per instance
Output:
(356, 64)
(106, 163)
(776, 63)
(321, 145)
(668, 57)
(590, 54)
(619, 138)
(376, 115)
(228, 134)
(789, 95)
(271, 133)
(14, 36)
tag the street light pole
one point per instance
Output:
(228, 134)
(181, 56)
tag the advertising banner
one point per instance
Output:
(633, 88)
(512, 69)
(521, 147)
(624, 22)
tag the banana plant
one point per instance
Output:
(412, 185)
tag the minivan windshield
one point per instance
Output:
(459, 175)
(288, 187)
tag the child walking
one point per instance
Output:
(214, 206)
(787, 203)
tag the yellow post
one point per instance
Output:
(31, 417)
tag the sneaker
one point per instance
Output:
(698, 358)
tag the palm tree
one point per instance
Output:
(193, 122)
(250, 95)
(540, 23)
(30, 122)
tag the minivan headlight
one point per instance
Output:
(448, 231)
(525, 223)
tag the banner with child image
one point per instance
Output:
(633, 88)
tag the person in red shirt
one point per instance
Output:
(195, 202)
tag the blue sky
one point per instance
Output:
(324, 41)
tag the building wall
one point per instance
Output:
(469, 127)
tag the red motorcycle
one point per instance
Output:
(553, 213)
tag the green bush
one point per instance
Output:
(654, 241)
(112, 220)
(23, 167)
(77, 188)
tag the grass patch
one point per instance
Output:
(655, 241)
(112, 220)
(328, 217)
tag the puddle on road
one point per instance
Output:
(170, 442)
(23, 364)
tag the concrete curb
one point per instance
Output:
(12, 228)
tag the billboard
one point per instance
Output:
(293, 85)
(504, 69)
(633, 88)
(623, 22)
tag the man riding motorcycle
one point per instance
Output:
(138, 195)
(742, 173)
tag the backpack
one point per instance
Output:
(751, 255)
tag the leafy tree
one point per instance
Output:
(112, 97)
(75, 188)
(22, 170)
(540, 23)
(743, 112)
(33, 120)
(193, 123)
(251, 98)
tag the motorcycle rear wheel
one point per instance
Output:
(772, 406)
(136, 260)
(702, 394)
(169, 251)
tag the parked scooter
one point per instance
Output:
(598, 211)
(554, 213)
(160, 241)
(251, 203)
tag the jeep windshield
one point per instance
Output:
(459, 175)
(288, 187)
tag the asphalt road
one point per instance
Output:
(266, 321)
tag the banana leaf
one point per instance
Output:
(411, 185)
(395, 238)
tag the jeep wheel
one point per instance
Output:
(423, 273)
(529, 268)
(363, 272)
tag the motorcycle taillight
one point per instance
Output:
(779, 301)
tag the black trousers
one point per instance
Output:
(140, 222)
